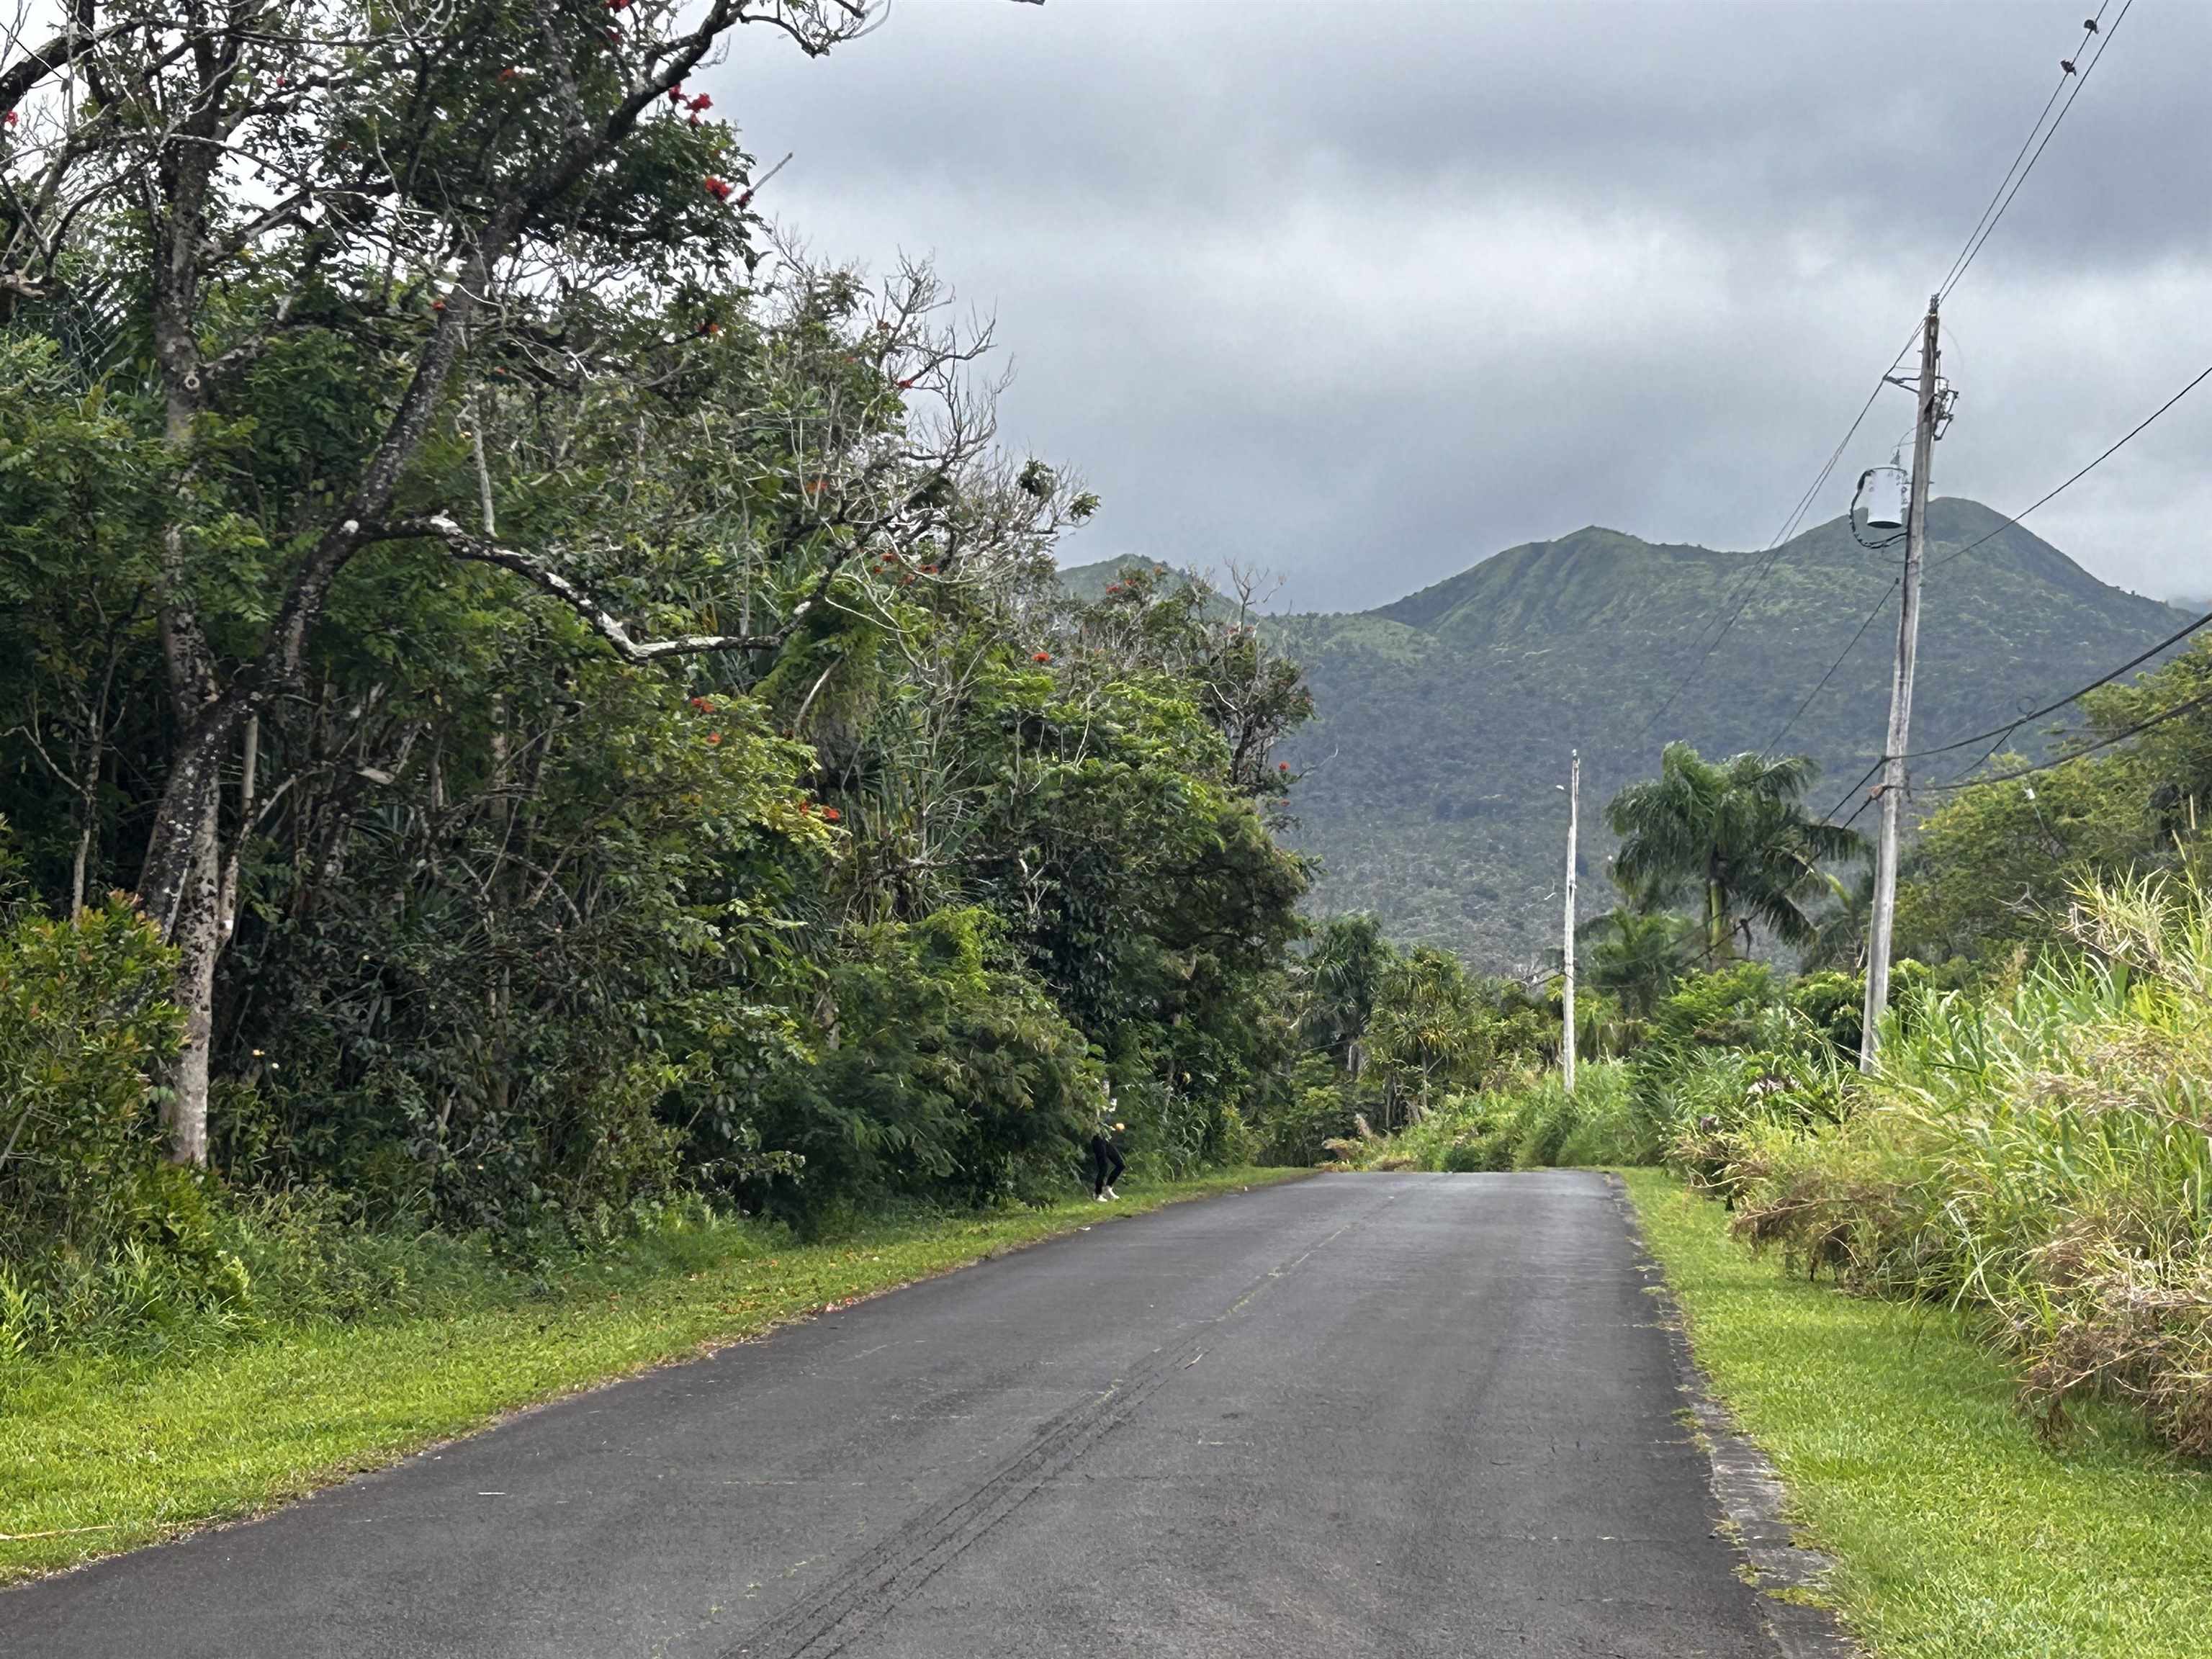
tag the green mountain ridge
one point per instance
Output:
(1446, 717)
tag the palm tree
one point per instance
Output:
(1736, 832)
(1839, 939)
(1637, 954)
(1342, 979)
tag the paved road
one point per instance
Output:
(1390, 1415)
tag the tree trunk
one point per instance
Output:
(198, 937)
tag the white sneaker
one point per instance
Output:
(1102, 1198)
(1111, 1194)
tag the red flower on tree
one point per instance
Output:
(717, 188)
(715, 739)
(1041, 656)
(830, 814)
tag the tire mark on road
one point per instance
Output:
(867, 1591)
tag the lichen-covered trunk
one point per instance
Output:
(199, 936)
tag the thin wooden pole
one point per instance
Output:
(1900, 708)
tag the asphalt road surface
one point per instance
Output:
(1392, 1415)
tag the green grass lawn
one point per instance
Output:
(1960, 1534)
(101, 1454)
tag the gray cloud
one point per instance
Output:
(1364, 292)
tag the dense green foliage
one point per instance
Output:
(1525, 1122)
(1997, 861)
(1444, 720)
(2032, 1147)
(1384, 1039)
(580, 699)
(2039, 1156)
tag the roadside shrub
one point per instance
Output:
(1604, 1131)
(1713, 1099)
(84, 1026)
(1834, 1004)
(1530, 1123)
(1314, 1109)
(947, 1075)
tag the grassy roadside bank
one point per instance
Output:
(1959, 1535)
(105, 1454)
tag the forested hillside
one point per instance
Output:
(1443, 719)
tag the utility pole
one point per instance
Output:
(1900, 699)
(1567, 1000)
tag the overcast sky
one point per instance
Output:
(1364, 290)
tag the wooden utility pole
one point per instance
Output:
(1567, 998)
(1901, 703)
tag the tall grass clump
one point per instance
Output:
(2041, 1157)
(1529, 1122)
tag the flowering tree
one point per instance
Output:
(471, 277)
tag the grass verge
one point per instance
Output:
(1959, 1535)
(105, 1454)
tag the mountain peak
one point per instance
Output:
(1445, 718)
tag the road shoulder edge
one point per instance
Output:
(1791, 1579)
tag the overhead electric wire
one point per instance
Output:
(1773, 549)
(1865, 778)
(2081, 79)
(2187, 705)
(2000, 200)
(2001, 734)
(1958, 259)
(2006, 731)
(1960, 552)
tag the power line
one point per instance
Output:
(1773, 549)
(2121, 736)
(1881, 761)
(1985, 227)
(2104, 44)
(2000, 732)
(1959, 259)
(1879, 605)
(1960, 552)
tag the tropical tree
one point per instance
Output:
(1637, 954)
(1426, 1033)
(1839, 938)
(1342, 977)
(1735, 833)
(353, 321)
